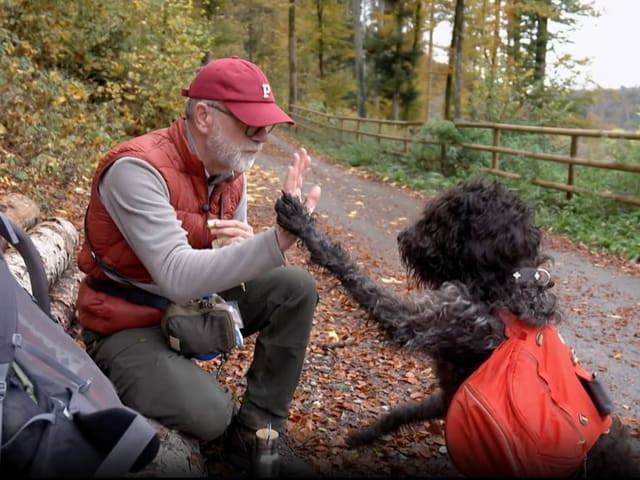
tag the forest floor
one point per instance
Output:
(351, 374)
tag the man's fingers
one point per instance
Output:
(295, 176)
(313, 198)
(290, 181)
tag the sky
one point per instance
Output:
(611, 41)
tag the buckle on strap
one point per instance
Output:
(4, 371)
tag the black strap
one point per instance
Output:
(17, 237)
(131, 294)
(8, 326)
(22, 242)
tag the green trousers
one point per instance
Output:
(172, 389)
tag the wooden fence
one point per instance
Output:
(389, 132)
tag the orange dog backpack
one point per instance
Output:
(530, 410)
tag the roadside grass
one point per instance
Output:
(601, 224)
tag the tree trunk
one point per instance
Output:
(542, 38)
(320, 26)
(293, 59)
(455, 63)
(459, 33)
(429, 60)
(358, 40)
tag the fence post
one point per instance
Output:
(571, 166)
(495, 160)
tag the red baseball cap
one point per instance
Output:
(243, 88)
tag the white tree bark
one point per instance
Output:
(63, 296)
(56, 240)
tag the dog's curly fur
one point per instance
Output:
(463, 251)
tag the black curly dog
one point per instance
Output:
(463, 251)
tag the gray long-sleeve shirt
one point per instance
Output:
(137, 198)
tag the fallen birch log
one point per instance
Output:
(56, 239)
(63, 295)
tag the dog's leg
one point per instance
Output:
(614, 455)
(383, 304)
(429, 408)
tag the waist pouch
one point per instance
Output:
(202, 327)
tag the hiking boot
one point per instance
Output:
(239, 446)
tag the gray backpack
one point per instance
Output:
(60, 416)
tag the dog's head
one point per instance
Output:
(475, 233)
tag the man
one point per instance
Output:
(167, 219)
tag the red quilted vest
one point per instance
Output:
(168, 151)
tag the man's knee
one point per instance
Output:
(299, 283)
(161, 384)
(196, 403)
(206, 417)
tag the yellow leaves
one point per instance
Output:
(77, 92)
(27, 48)
(333, 336)
(12, 67)
(353, 213)
(7, 181)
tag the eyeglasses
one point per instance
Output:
(249, 131)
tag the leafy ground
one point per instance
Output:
(351, 374)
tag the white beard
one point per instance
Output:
(228, 154)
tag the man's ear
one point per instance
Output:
(202, 120)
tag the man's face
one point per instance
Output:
(231, 150)
(231, 144)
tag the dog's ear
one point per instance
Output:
(421, 254)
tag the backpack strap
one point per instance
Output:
(8, 326)
(17, 237)
(129, 448)
(22, 242)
